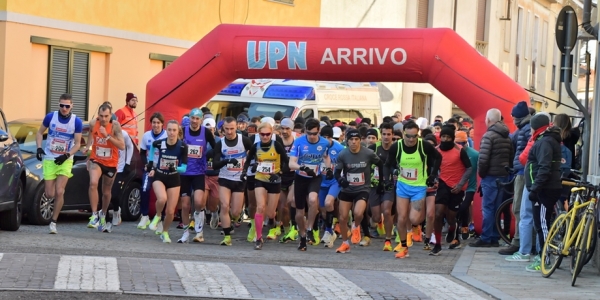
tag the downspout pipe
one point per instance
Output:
(587, 17)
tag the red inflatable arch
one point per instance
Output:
(437, 56)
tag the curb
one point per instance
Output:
(460, 272)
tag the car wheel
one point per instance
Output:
(131, 201)
(41, 208)
(11, 220)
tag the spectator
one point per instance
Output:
(521, 117)
(352, 124)
(495, 153)
(570, 136)
(438, 119)
(453, 122)
(127, 117)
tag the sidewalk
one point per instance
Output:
(486, 270)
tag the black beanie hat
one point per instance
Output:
(278, 116)
(448, 130)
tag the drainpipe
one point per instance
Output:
(587, 16)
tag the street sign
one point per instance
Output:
(567, 20)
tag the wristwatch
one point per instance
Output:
(108, 136)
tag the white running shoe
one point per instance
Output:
(93, 221)
(184, 238)
(199, 238)
(107, 228)
(330, 239)
(116, 217)
(432, 240)
(159, 229)
(144, 222)
(214, 220)
(199, 220)
(52, 228)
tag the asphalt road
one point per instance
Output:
(31, 295)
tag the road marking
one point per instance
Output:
(436, 286)
(326, 283)
(91, 273)
(1, 255)
(210, 279)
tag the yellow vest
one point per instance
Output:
(268, 162)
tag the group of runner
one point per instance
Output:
(294, 177)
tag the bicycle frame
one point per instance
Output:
(575, 232)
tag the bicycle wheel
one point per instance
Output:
(583, 246)
(552, 250)
(594, 240)
(504, 219)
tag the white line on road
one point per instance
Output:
(1, 255)
(210, 279)
(326, 283)
(91, 273)
(436, 286)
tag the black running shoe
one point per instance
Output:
(451, 235)
(311, 237)
(436, 250)
(302, 246)
(258, 245)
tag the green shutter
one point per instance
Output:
(69, 73)
(79, 83)
(58, 81)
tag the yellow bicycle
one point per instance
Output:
(572, 233)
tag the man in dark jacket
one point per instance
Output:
(543, 176)
(521, 117)
(495, 153)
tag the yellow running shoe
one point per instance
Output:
(226, 241)
(278, 230)
(316, 234)
(272, 234)
(366, 241)
(387, 246)
(402, 253)
(380, 229)
(192, 225)
(398, 248)
(252, 232)
(409, 240)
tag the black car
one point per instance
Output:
(38, 209)
(12, 179)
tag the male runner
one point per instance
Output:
(230, 152)
(355, 162)
(306, 157)
(418, 165)
(123, 171)
(196, 137)
(454, 173)
(107, 139)
(329, 189)
(286, 198)
(62, 142)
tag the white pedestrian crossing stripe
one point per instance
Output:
(214, 279)
(436, 286)
(90, 273)
(1, 255)
(326, 283)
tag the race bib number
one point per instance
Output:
(376, 173)
(312, 167)
(356, 178)
(166, 163)
(59, 146)
(194, 151)
(265, 167)
(209, 165)
(323, 169)
(408, 173)
(103, 152)
(237, 167)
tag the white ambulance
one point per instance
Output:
(344, 101)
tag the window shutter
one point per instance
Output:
(79, 83)
(423, 14)
(480, 36)
(59, 76)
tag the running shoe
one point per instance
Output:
(417, 235)
(180, 225)
(536, 265)
(398, 248)
(310, 237)
(292, 235)
(107, 228)
(93, 221)
(52, 228)
(437, 249)
(395, 231)
(258, 244)
(355, 239)
(387, 246)
(328, 239)
(277, 231)
(251, 232)
(159, 228)
(336, 229)
(116, 217)
(199, 217)
(344, 248)
(380, 229)
(165, 237)
(409, 240)
(302, 245)
(316, 239)
(455, 244)
(402, 252)
(199, 238)
(427, 246)
(214, 220)
(102, 223)
(144, 222)
(517, 256)
(192, 225)
(272, 234)
(450, 235)
(226, 241)
(154, 224)
(185, 237)
(366, 241)
(464, 232)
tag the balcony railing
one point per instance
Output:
(481, 47)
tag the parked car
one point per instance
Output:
(39, 210)
(12, 179)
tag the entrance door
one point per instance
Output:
(421, 106)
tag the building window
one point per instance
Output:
(166, 59)
(69, 71)
(481, 7)
(423, 14)
(544, 50)
(519, 45)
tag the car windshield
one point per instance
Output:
(24, 133)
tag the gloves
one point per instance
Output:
(148, 166)
(533, 196)
(343, 182)
(40, 154)
(380, 188)
(172, 168)
(127, 169)
(430, 181)
(253, 167)
(274, 178)
(328, 174)
(61, 159)
(310, 172)
(243, 177)
(232, 161)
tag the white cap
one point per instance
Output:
(422, 122)
(210, 123)
(268, 120)
(337, 132)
